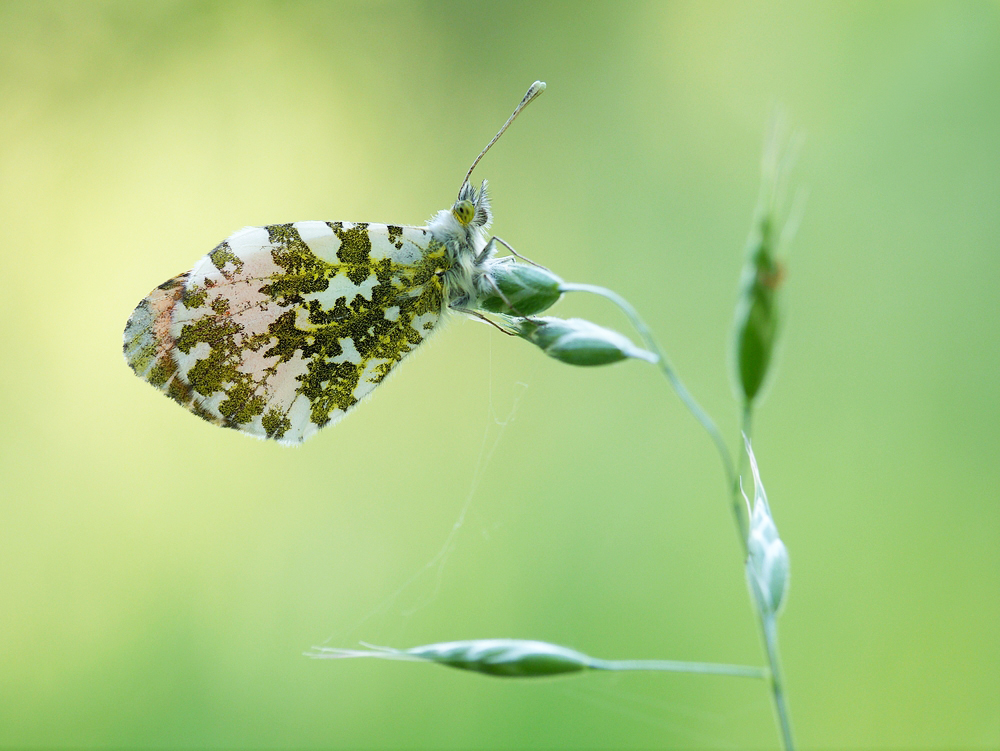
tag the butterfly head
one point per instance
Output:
(472, 209)
(462, 228)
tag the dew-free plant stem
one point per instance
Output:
(769, 632)
(666, 368)
(767, 620)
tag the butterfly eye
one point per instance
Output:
(464, 211)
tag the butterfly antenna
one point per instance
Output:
(533, 91)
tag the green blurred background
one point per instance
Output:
(160, 578)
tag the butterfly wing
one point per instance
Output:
(281, 330)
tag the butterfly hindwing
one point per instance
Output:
(281, 330)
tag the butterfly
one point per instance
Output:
(281, 330)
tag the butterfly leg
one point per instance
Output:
(490, 249)
(486, 319)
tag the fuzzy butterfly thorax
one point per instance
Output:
(462, 229)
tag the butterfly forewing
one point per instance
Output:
(281, 330)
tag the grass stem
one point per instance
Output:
(667, 369)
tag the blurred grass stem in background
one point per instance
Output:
(756, 329)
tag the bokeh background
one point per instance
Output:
(160, 578)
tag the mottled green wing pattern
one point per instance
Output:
(281, 330)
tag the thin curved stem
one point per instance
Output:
(768, 625)
(675, 666)
(668, 371)
(770, 633)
